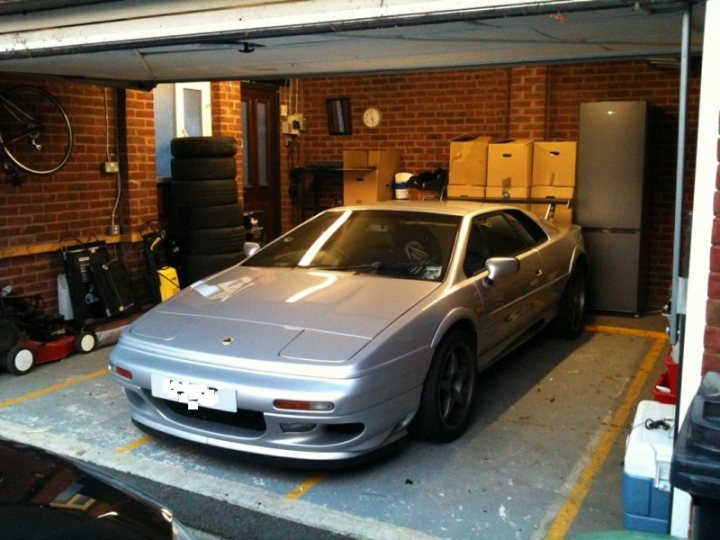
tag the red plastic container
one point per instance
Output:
(662, 391)
(672, 370)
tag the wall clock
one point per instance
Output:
(371, 117)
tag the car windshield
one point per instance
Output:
(402, 244)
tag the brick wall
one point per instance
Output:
(422, 112)
(288, 160)
(227, 118)
(571, 85)
(75, 203)
(711, 356)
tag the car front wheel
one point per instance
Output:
(449, 391)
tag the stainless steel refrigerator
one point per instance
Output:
(609, 201)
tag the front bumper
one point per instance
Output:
(370, 411)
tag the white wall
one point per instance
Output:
(705, 175)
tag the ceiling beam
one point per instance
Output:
(126, 24)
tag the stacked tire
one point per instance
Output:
(206, 221)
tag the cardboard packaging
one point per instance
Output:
(468, 160)
(510, 163)
(510, 195)
(563, 214)
(462, 191)
(368, 175)
(554, 163)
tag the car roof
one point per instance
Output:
(452, 207)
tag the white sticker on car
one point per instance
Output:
(194, 394)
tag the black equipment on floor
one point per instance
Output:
(99, 287)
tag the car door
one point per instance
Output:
(512, 303)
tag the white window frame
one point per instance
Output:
(206, 116)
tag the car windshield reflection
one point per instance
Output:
(400, 244)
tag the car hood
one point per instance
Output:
(292, 313)
(44, 495)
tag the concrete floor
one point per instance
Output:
(542, 459)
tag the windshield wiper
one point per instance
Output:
(367, 267)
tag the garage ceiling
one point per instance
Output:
(142, 43)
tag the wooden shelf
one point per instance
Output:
(49, 247)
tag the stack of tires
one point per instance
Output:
(206, 219)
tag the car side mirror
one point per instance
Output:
(500, 267)
(250, 248)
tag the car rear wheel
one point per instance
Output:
(571, 311)
(449, 391)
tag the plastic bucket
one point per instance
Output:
(401, 186)
(672, 373)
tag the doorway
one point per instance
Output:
(261, 155)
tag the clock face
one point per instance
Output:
(371, 117)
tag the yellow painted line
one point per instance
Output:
(135, 444)
(626, 331)
(306, 486)
(568, 512)
(53, 388)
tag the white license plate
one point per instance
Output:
(194, 394)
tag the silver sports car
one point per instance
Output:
(353, 329)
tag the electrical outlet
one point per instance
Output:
(290, 127)
(297, 122)
(294, 125)
(111, 167)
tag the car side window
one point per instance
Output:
(503, 240)
(491, 236)
(476, 253)
(531, 233)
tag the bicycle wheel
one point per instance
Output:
(35, 132)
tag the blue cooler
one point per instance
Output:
(646, 475)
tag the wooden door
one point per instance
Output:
(261, 154)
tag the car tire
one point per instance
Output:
(220, 241)
(448, 394)
(188, 194)
(20, 360)
(189, 147)
(206, 168)
(570, 319)
(209, 217)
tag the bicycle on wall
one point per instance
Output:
(35, 132)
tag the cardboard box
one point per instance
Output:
(461, 191)
(646, 472)
(554, 163)
(509, 195)
(468, 160)
(563, 214)
(510, 163)
(368, 175)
